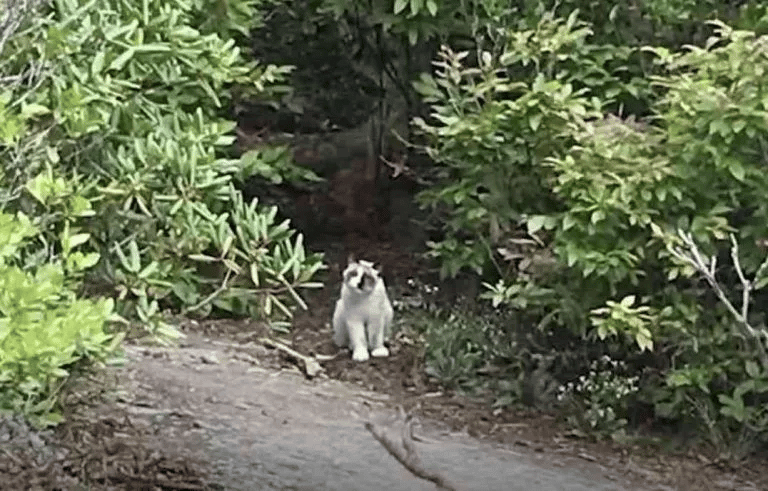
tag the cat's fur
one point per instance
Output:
(363, 315)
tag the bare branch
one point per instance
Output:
(747, 285)
(707, 269)
(406, 453)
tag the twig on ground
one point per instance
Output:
(309, 365)
(407, 453)
(15, 459)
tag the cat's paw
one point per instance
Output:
(380, 352)
(360, 355)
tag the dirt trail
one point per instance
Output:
(261, 428)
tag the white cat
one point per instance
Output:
(363, 315)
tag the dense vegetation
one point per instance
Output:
(611, 188)
(117, 183)
(604, 175)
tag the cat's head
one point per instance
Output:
(361, 276)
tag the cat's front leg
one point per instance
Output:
(357, 341)
(388, 317)
(376, 338)
(340, 330)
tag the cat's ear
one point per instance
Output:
(351, 258)
(377, 267)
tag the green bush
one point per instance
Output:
(493, 126)
(600, 399)
(700, 170)
(45, 329)
(457, 346)
(576, 211)
(116, 180)
(130, 109)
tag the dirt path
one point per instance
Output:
(261, 428)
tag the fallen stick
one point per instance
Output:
(407, 454)
(309, 365)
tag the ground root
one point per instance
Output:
(407, 454)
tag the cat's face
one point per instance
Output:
(361, 276)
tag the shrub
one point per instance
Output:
(700, 170)
(492, 126)
(45, 329)
(575, 210)
(457, 347)
(130, 108)
(600, 398)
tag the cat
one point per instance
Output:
(363, 315)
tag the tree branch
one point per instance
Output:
(707, 269)
(407, 454)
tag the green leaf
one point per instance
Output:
(88, 260)
(612, 14)
(149, 270)
(254, 268)
(413, 36)
(432, 7)
(737, 170)
(679, 378)
(97, 65)
(719, 127)
(627, 301)
(569, 221)
(644, 339)
(31, 110)
(752, 369)
(78, 239)
(37, 188)
(119, 62)
(400, 6)
(732, 407)
(52, 154)
(760, 284)
(535, 121)
(535, 223)
(152, 48)
(134, 257)
(597, 215)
